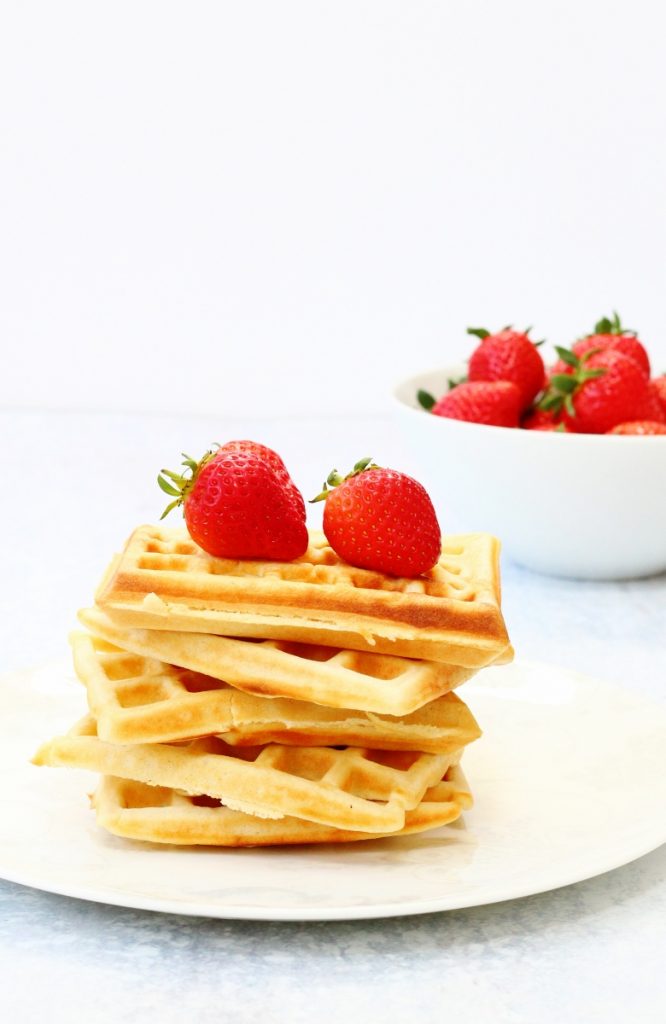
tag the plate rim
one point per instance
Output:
(238, 912)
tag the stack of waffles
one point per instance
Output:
(248, 703)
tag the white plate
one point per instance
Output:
(568, 778)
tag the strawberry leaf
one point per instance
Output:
(179, 485)
(425, 399)
(550, 401)
(612, 325)
(176, 477)
(567, 356)
(168, 488)
(478, 332)
(174, 504)
(564, 383)
(334, 479)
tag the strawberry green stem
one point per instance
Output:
(179, 485)
(334, 479)
(611, 325)
(559, 394)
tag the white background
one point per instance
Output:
(264, 209)
(270, 208)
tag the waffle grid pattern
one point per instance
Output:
(163, 815)
(162, 580)
(350, 788)
(381, 683)
(142, 700)
(244, 703)
(156, 551)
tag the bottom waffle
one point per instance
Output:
(157, 814)
(344, 788)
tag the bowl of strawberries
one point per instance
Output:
(565, 462)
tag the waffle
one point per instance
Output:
(136, 811)
(350, 788)
(163, 580)
(378, 683)
(142, 700)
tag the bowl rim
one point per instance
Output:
(453, 368)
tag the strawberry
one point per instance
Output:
(540, 419)
(381, 519)
(639, 427)
(651, 407)
(497, 403)
(510, 356)
(269, 456)
(239, 502)
(601, 390)
(657, 388)
(610, 334)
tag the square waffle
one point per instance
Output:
(380, 683)
(163, 580)
(350, 788)
(159, 815)
(138, 699)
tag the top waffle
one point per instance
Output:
(163, 580)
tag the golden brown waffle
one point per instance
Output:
(350, 788)
(142, 700)
(159, 815)
(452, 614)
(320, 675)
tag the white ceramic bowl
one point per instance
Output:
(585, 506)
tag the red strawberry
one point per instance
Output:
(639, 427)
(539, 419)
(602, 390)
(496, 403)
(510, 356)
(657, 388)
(610, 334)
(269, 456)
(380, 519)
(240, 502)
(651, 408)
(627, 344)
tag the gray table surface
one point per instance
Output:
(77, 484)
